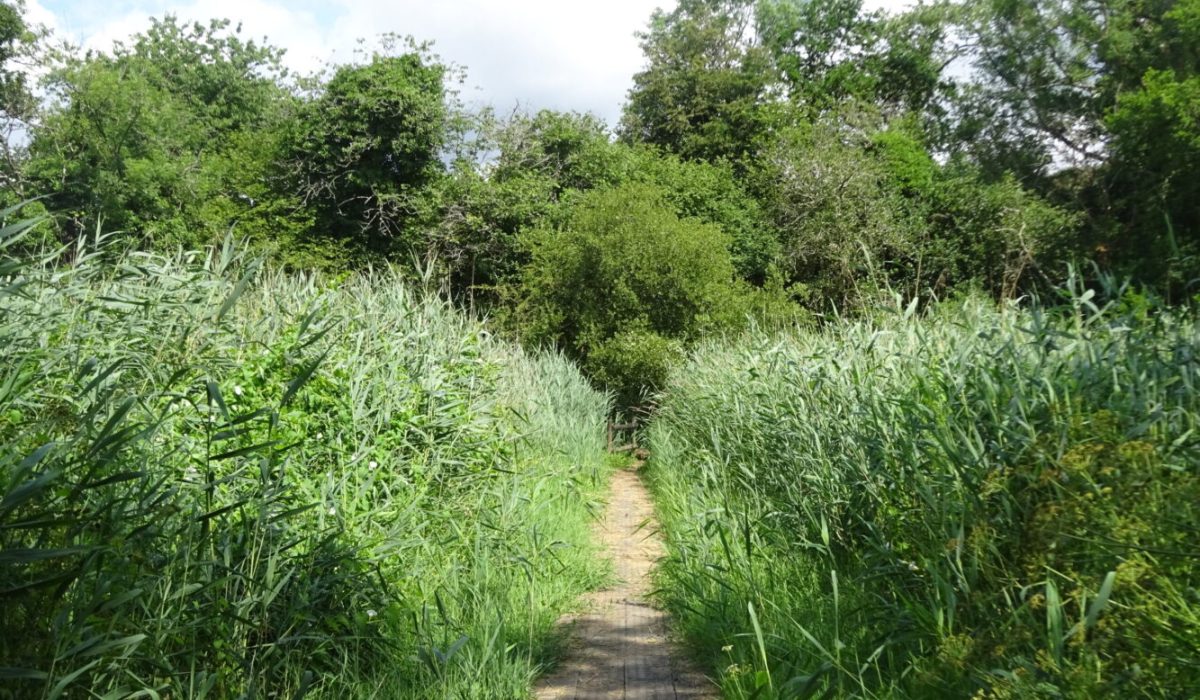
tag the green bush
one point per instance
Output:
(624, 263)
(634, 363)
(863, 209)
(543, 163)
(713, 194)
(994, 236)
(171, 139)
(843, 222)
(366, 152)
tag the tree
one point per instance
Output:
(572, 151)
(170, 139)
(830, 52)
(17, 104)
(841, 220)
(536, 161)
(1105, 90)
(1047, 72)
(1155, 163)
(705, 93)
(12, 32)
(862, 207)
(542, 163)
(714, 194)
(368, 148)
(1035, 93)
(724, 74)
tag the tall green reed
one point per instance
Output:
(980, 503)
(219, 481)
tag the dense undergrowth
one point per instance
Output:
(217, 481)
(981, 503)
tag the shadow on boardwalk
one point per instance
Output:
(620, 649)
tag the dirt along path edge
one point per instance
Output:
(620, 649)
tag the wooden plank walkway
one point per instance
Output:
(620, 649)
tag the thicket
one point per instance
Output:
(983, 502)
(844, 154)
(221, 481)
(623, 285)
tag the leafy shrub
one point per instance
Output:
(623, 262)
(713, 194)
(171, 138)
(862, 208)
(365, 152)
(543, 163)
(996, 236)
(634, 363)
(841, 220)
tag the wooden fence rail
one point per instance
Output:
(615, 428)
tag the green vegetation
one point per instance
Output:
(843, 154)
(168, 140)
(988, 503)
(623, 283)
(364, 465)
(220, 481)
(367, 150)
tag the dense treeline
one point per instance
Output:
(837, 152)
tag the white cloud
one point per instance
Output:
(536, 53)
(542, 53)
(298, 31)
(36, 13)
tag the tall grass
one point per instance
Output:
(987, 503)
(218, 481)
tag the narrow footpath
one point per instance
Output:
(620, 649)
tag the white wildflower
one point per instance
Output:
(373, 465)
(237, 389)
(332, 510)
(371, 613)
(320, 436)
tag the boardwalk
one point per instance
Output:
(620, 649)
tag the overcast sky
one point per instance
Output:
(558, 54)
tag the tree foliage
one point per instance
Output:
(1104, 91)
(828, 52)
(17, 44)
(169, 138)
(703, 94)
(544, 161)
(624, 272)
(366, 151)
(840, 153)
